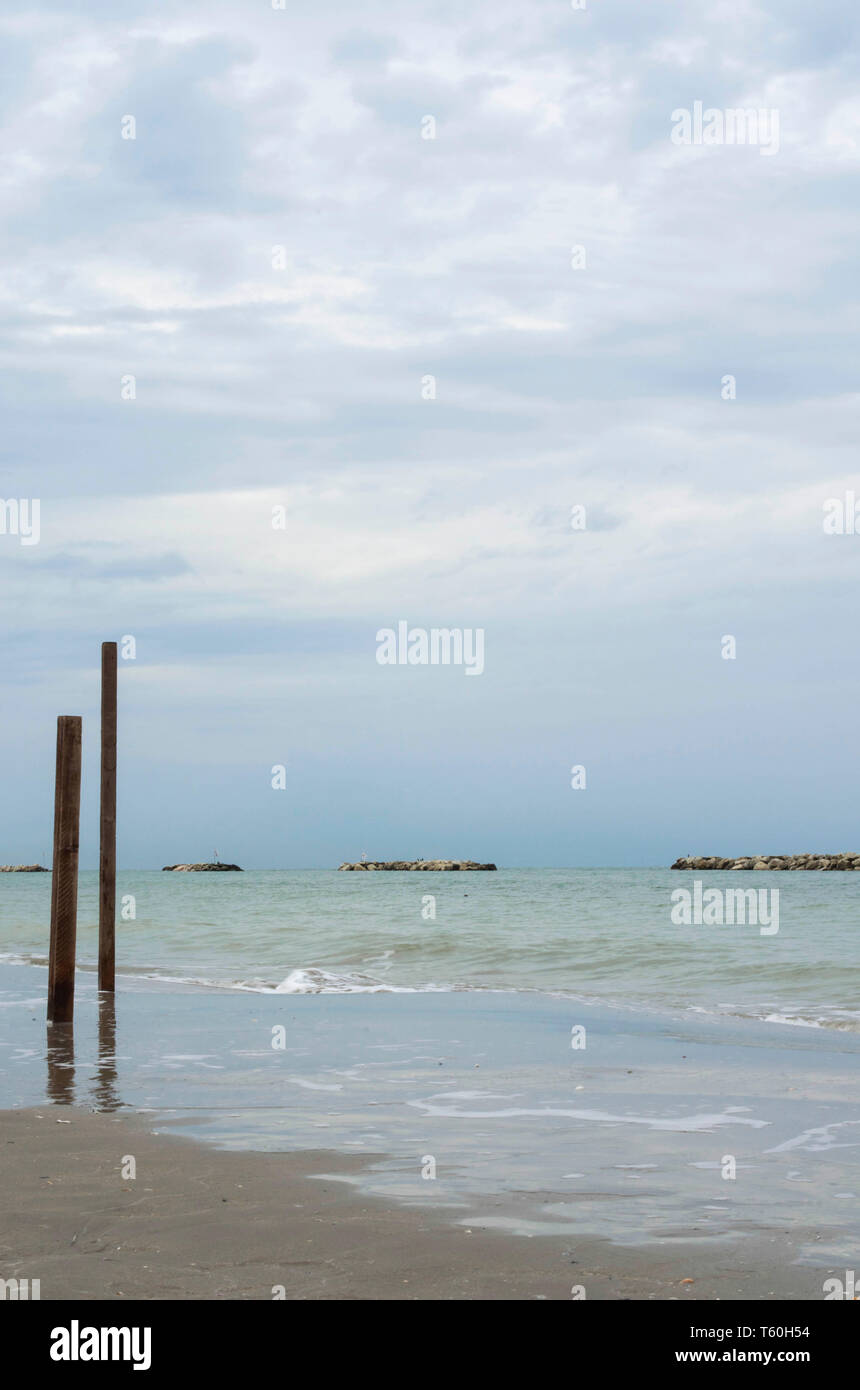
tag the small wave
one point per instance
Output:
(797, 1022)
(837, 1020)
(22, 958)
(327, 982)
(316, 980)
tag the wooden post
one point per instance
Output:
(64, 888)
(107, 832)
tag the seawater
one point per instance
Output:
(604, 935)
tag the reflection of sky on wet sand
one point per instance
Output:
(627, 1137)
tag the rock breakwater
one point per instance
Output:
(416, 865)
(848, 860)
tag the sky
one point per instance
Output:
(323, 259)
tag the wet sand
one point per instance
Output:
(283, 1140)
(201, 1223)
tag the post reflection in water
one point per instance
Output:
(60, 1052)
(104, 1090)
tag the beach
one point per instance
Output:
(428, 1144)
(198, 1223)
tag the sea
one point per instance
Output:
(605, 935)
(573, 1055)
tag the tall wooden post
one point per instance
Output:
(107, 831)
(64, 888)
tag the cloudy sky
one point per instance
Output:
(279, 259)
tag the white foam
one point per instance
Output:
(315, 981)
(683, 1124)
(816, 1140)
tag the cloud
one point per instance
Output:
(297, 378)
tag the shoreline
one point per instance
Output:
(132, 978)
(609, 1156)
(199, 1223)
(571, 1142)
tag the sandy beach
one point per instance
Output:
(197, 1223)
(418, 1146)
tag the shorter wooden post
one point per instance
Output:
(64, 889)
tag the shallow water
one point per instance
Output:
(626, 1137)
(599, 934)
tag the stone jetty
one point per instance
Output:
(202, 868)
(848, 860)
(416, 865)
(23, 869)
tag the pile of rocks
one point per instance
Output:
(848, 860)
(23, 869)
(417, 864)
(201, 868)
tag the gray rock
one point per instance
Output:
(419, 865)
